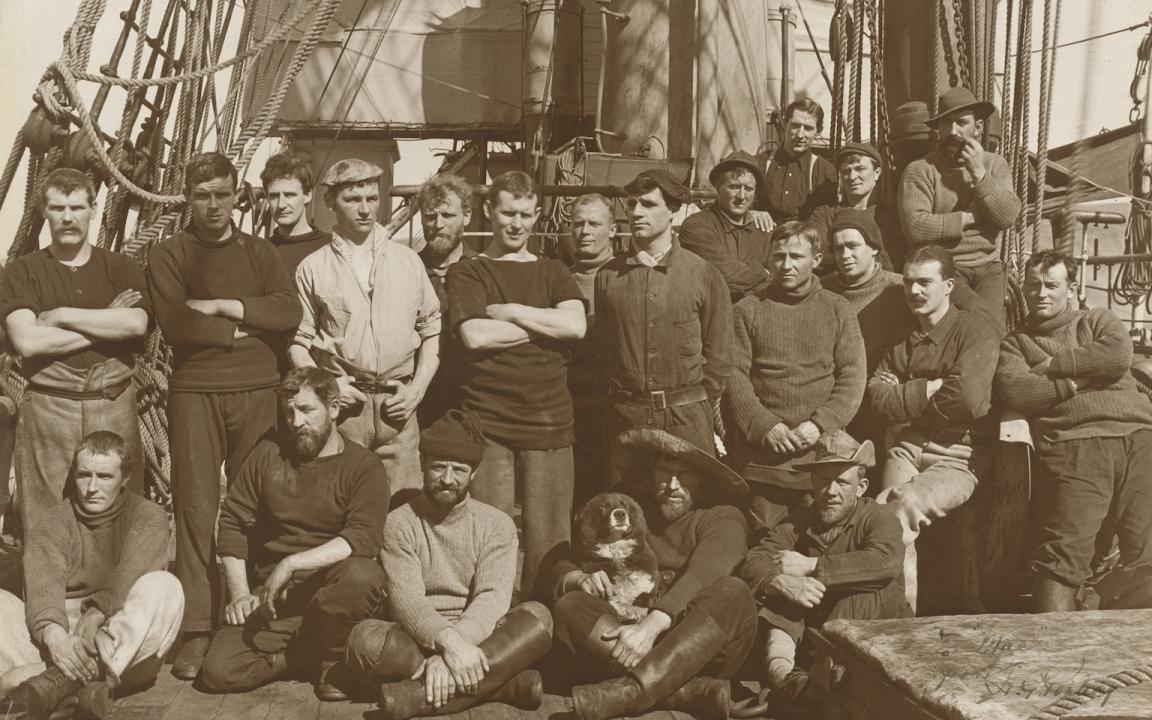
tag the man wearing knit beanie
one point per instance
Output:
(451, 565)
(1067, 371)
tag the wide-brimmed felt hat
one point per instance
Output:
(958, 100)
(738, 159)
(838, 448)
(638, 446)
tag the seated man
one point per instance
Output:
(939, 381)
(1067, 371)
(860, 166)
(701, 627)
(100, 609)
(451, 564)
(307, 515)
(842, 559)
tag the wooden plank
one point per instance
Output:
(291, 701)
(252, 705)
(343, 710)
(191, 704)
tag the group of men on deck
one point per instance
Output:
(380, 411)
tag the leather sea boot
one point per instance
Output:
(43, 693)
(519, 641)
(1051, 595)
(94, 702)
(675, 660)
(702, 697)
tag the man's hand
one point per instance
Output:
(805, 435)
(348, 394)
(934, 386)
(888, 378)
(208, 307)
(967, 220)
(67, 653)
(237, 611)
(974, 159)
(634, 642)
(439, 687)
(504, 311)
(1041, 369)
(467, 662)
(779, 439)
(126, 299)
(596, 584)
(400, 405)
(87, 628)
(797, 565)
(762, 219)
(803, 591)
(276, 586)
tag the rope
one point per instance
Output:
(1024, 108)
(1006, 100)
(1091, 690)
(856, 95)
(838, 121)
(961, 42)
(1047, 73)
(946, 41)
(14, 158)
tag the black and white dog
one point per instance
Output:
(612, 535)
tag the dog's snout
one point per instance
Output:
(620, 516)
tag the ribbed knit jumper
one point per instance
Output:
(454, 570)
(880, 308)
(934, 193)
(1090, 347)
(799, 356)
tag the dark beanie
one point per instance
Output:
(855, 219)
(456, 436)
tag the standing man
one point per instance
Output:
(519, 315)
(860, 167)
(1067, 371)
(796, 180)
(304, 520)
(960, 196)
(76, 315)
(372, 319)
(445, 204)
(939, 381)
(800, 373)
(288, 182)
(453, 641)
(224, 300)
(587, 248)
(663, 323)
(724, 233)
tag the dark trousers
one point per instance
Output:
(311, 626)
(206, 430)
(728, 601)
(990, 285)
(884, 604)
(591, 447)
(1086, 485)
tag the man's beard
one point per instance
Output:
(675, 507)
(442, 246)
(445, 496)
(309, 443)
(836, 514)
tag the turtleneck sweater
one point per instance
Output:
(799, 356)
(96, 557)
(453, 569)
(294, 248)
(1088, 390)
(878, 302)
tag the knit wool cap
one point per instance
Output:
(456, 436)
(861, 220)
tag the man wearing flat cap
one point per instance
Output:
(372, 319)
(452, 641)
(724, 233)
(843, 558)
(699, 630)
(960, 196)
(663, 322)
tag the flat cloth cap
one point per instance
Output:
(351, 170)
(859, 148)
(671, 187)
(455, 436)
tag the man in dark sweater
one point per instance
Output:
(724, 234)
(100, 607)
(843, 558)
(304, 519)
(939, 382)
(800, 372)
(76, 315)
(860, 167)
(519, 315)
(288, 186)
(700, 628)
(1067, 371)
(224, 300)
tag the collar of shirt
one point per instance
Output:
(824, 539)
(233, 231)
(642, 257)
(377, 240)
(936, 334)
(783, 158)
(730, 225)
(442, 269)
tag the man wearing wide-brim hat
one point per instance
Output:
(702, 624)
(842, 558)
(724, 234)
(960, 196)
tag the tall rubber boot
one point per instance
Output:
(1051, 595)
(668, 667)
(524, 637)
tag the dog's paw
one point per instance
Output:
(630, 614)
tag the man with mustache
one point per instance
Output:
(797, 180)
(724, 233)
(800, 372)
(224, 301)
(76, 315)
(1067, 371)
(288, 182)
(304, 520)
(699, 630)
(452, 641)
(372, 319)
(960, 197)
(842, 558)
(938, 381)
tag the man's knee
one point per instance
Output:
(230, 665)
(382, 650)
(353, 587)
(727, 599)
(538, 612)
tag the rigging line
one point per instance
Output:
(1137, 26)
(343, 49)
(437, 81)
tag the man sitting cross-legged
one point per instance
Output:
(100, 609)
(451, 562)
(303, 519)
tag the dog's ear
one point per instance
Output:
(589, 521)
(639, 522)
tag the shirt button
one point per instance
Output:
(651, 324)
(79, 291)
(651, 296)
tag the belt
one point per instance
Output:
(659, 399)
(110, 392)
(374, 387)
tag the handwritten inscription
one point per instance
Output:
(1007, 680)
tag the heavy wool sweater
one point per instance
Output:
(881, 311)
(1088, 390)
(453, 570)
